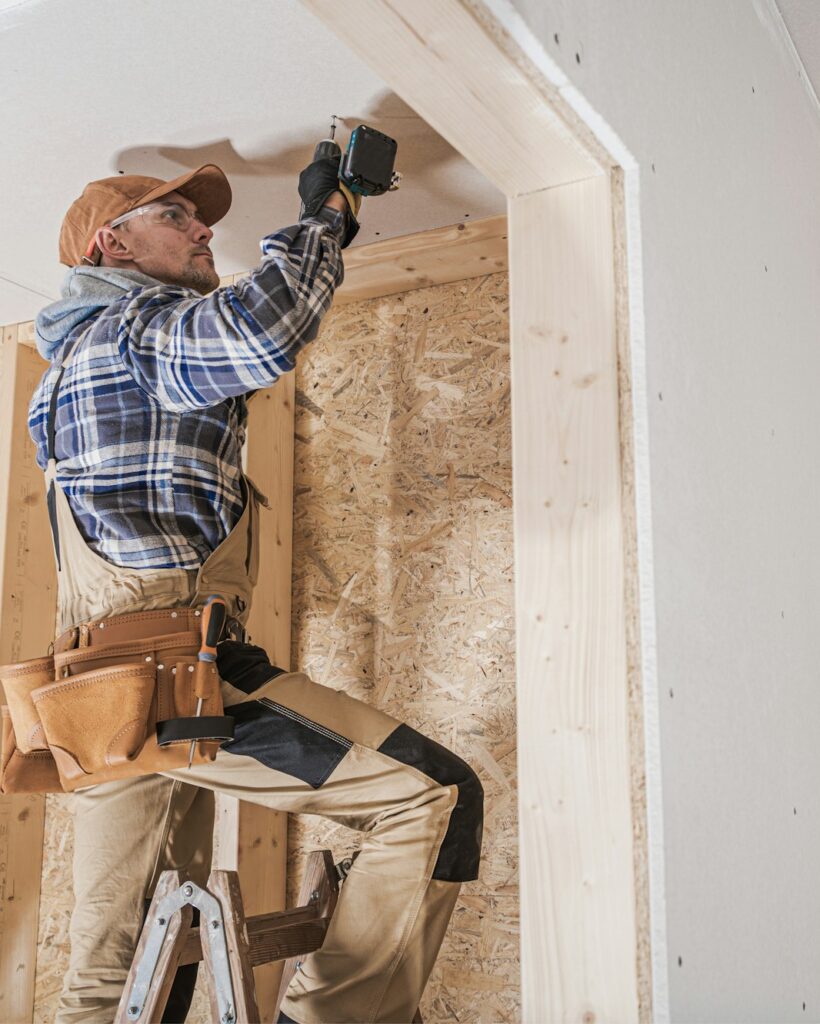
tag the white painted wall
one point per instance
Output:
(708, 100)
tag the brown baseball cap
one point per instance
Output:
(104, 200)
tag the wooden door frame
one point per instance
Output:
(593, 929)
(592, 884)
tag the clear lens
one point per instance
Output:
(170, 214)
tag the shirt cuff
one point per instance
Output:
(337, 219)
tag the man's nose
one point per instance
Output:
(202, 233)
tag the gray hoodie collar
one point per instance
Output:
(85, 291)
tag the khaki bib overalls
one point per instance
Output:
(298, 747)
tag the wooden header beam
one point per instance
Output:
(438, 57)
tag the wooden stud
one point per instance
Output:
(578, 901)
(252, 840)
(27, 609)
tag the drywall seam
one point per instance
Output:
(769, 15)
(512, 22)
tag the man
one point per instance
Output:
(139, 424)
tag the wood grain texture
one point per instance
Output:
(27, 606)
(438, 57)
(252, 840)
(224, 885)
(319, 890)
(455, 252)
(578, 901)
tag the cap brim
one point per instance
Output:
(206, 187)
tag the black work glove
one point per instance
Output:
(316, 183)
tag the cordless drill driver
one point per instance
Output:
(365, 169)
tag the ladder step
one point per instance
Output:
(271, 936)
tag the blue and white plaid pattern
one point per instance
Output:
(152, 408)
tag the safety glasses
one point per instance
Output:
(171, 215)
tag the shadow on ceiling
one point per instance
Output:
(265, 183)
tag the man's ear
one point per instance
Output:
(112, 245)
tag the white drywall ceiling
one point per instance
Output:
(93, 87)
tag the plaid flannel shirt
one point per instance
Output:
(152, 410)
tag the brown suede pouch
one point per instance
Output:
(18, 682)
(100, 715)
(98, 719)
(33, 772)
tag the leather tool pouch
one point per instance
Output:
(112, 711)
(26, 763)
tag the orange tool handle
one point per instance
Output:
(213, 619)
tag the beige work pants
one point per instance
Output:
(121, 835)
(299, 747)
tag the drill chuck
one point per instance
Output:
(327, 148)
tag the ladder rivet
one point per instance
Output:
(188, 890)
(161, 920)
(190, 668)
(214, 924)
(314, 896)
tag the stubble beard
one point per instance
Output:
(202, 278)
(197, 273)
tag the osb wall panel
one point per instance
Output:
(403, 593)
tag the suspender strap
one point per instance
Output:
(51, 440)
(51, 422)
(51, 496)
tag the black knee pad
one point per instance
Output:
(245, 666)
(461, 849)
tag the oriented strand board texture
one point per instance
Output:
(56, 904)
(403, 592)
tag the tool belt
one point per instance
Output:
(115, 699)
